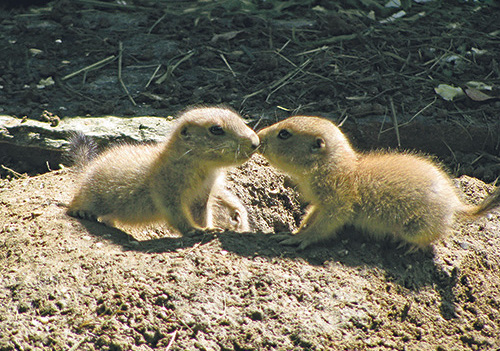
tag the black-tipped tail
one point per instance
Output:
(491, 202)
(82, 149)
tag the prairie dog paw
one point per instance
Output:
(300, 241)
(194, 232)
(214, 230)
(294, 240)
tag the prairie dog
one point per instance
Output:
(179, 182)
(399, 194)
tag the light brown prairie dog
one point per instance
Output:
(179, 182)
(403, 195)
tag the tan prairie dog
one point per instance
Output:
(179, 182)
(399, 194)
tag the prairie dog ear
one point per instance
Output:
(216, 130)
(184, 133)
(319, 144)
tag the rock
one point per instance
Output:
(34, 146)
(33, 133)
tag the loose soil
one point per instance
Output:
(269, 60)
(76, 285)
(69, 284)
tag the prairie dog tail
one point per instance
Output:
(82, 149)
(491, 202)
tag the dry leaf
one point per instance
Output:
(478, 95)
(448, 92)
(225, 36)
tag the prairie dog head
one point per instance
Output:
(300, 144)
(215, 134)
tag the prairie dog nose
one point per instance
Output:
(255, 141)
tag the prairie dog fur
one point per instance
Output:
(179, 182)
(399, 194)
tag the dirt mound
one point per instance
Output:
(68, 284)
(268, 59)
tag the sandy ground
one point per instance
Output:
(69, 284)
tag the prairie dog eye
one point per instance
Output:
(216, 130)
(284, 134)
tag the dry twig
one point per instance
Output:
(278, 84)
(120, 55)
(16, 174)
(93, 66)
(171, 68)
(172, 339)
(227, 64)
(156, 23)
(395, 121)
(153, 75)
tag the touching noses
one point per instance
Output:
(255, 141)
